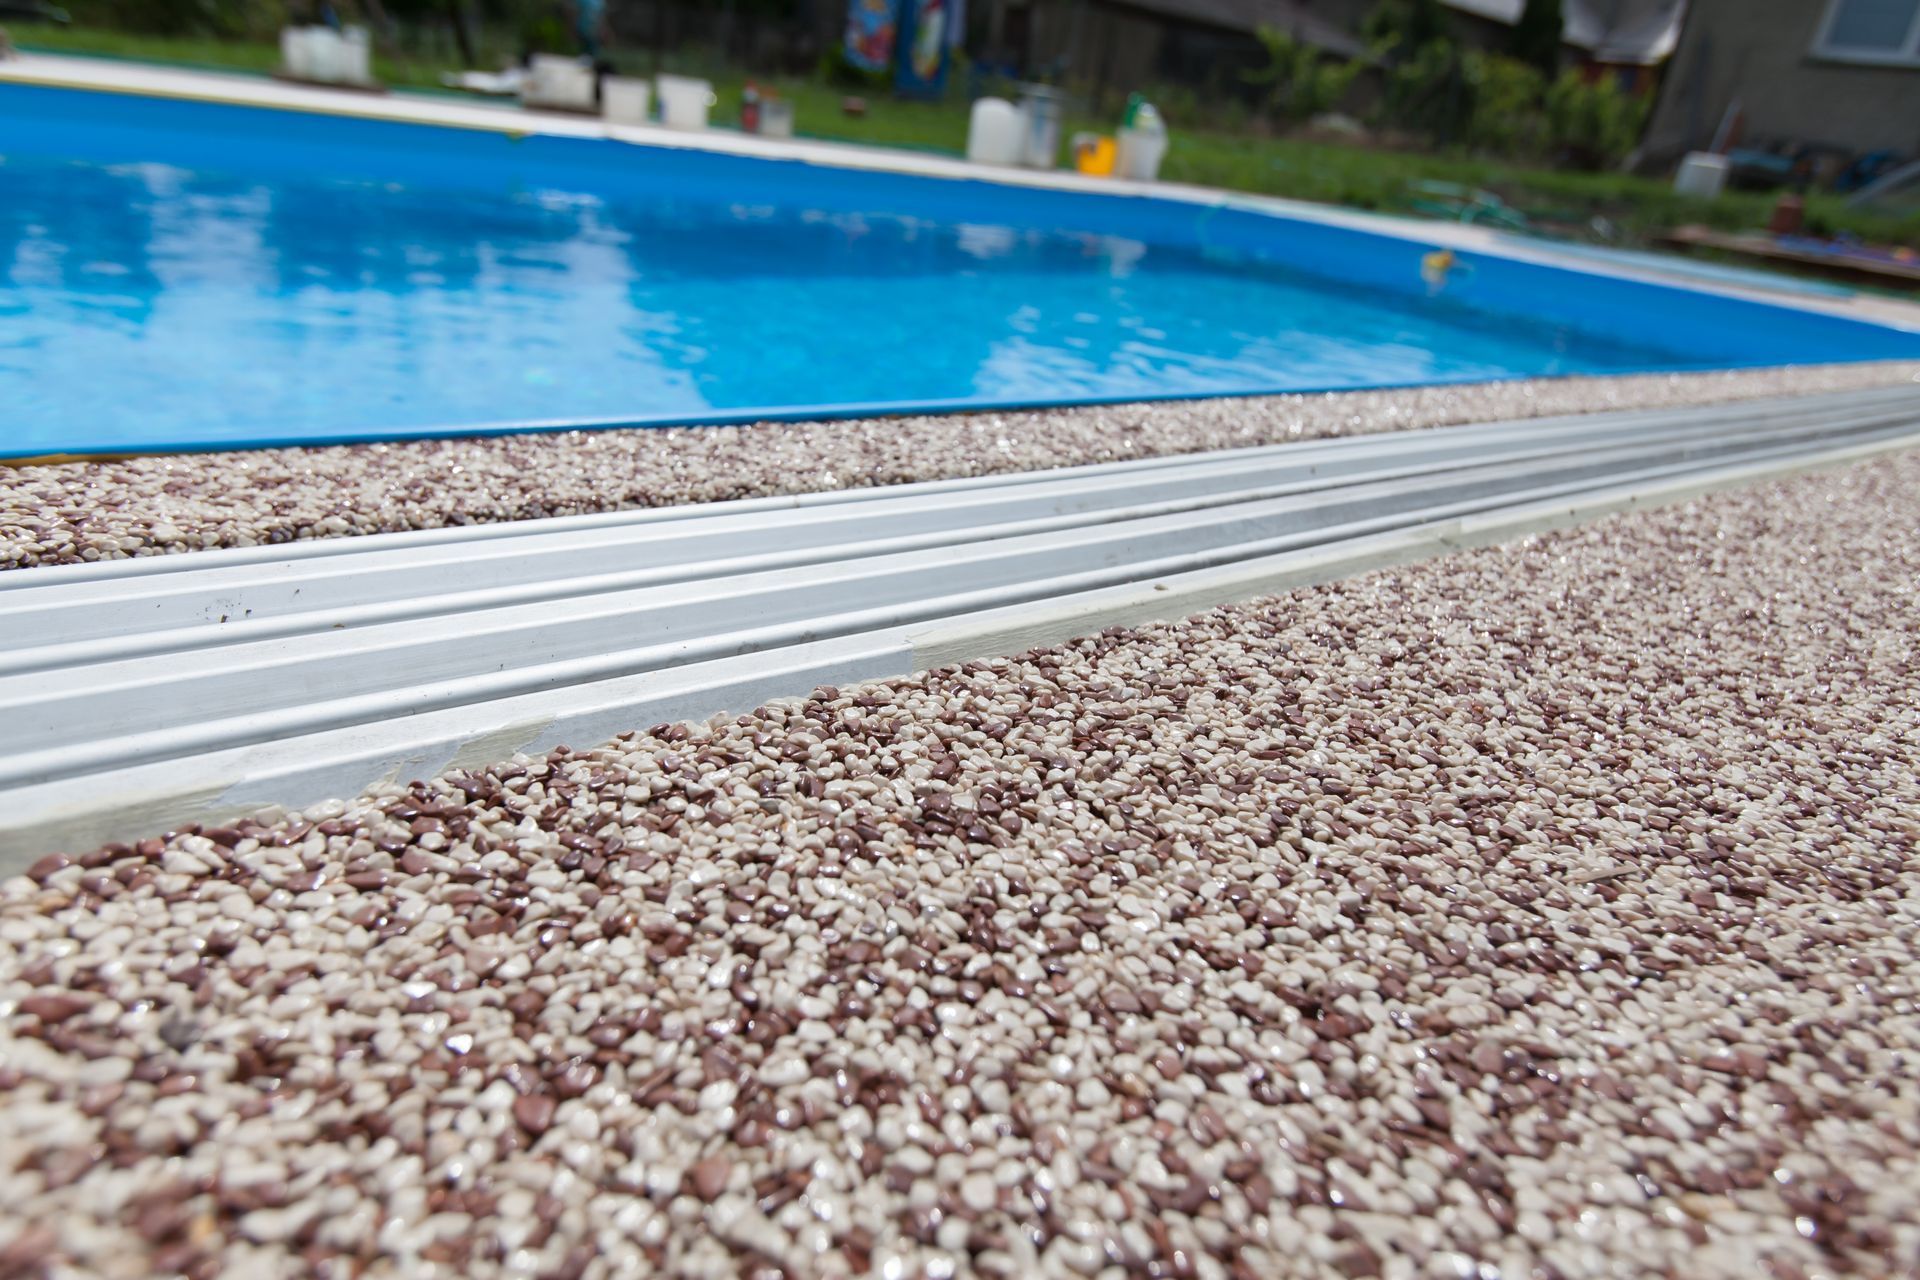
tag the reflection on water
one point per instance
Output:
(145, 303)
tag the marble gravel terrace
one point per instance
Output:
(143, 506)
(1543, 911)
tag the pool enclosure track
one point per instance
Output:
(145, 694)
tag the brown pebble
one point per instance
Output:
(710, 1177)
(534, 1111)
(55, 1008)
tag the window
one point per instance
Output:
(1884, 31)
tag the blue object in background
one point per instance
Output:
(587, 16)
(873, 29)
(186, 275)
(920, 67)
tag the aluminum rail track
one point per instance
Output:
(148, 693)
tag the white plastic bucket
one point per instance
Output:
(776, 118)
(354, 53)
(684, 101)
(1702, 173)
(1140, 154)
(294, 60)
(563, 83)
(308, 53)
(327, 54)
(996, 132)
(625, 100)
(1042, 108)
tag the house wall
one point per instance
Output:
(1124, 50)
(1760, 52)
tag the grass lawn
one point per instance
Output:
(1361, 177)
(202, 52)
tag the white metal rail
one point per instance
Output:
(146, 693)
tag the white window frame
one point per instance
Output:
(1908, 55)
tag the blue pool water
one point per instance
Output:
(180, 275)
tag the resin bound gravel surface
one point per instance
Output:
(1547, 910)
(144, 506)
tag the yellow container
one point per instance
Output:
(1095, 156)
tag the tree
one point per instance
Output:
(1427, 85)
(1401, 28)
(1536, 36)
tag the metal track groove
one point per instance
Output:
(174, 688)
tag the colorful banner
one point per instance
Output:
(872, 30)
(924, 42)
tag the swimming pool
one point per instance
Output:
(190, 275)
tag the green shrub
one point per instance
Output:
(1299, 80)
(1428, 92)
(1505, 107)
(1505, 116)
(1593, 125)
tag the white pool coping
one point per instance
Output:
(235, 88)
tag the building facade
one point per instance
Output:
(1841, 74)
